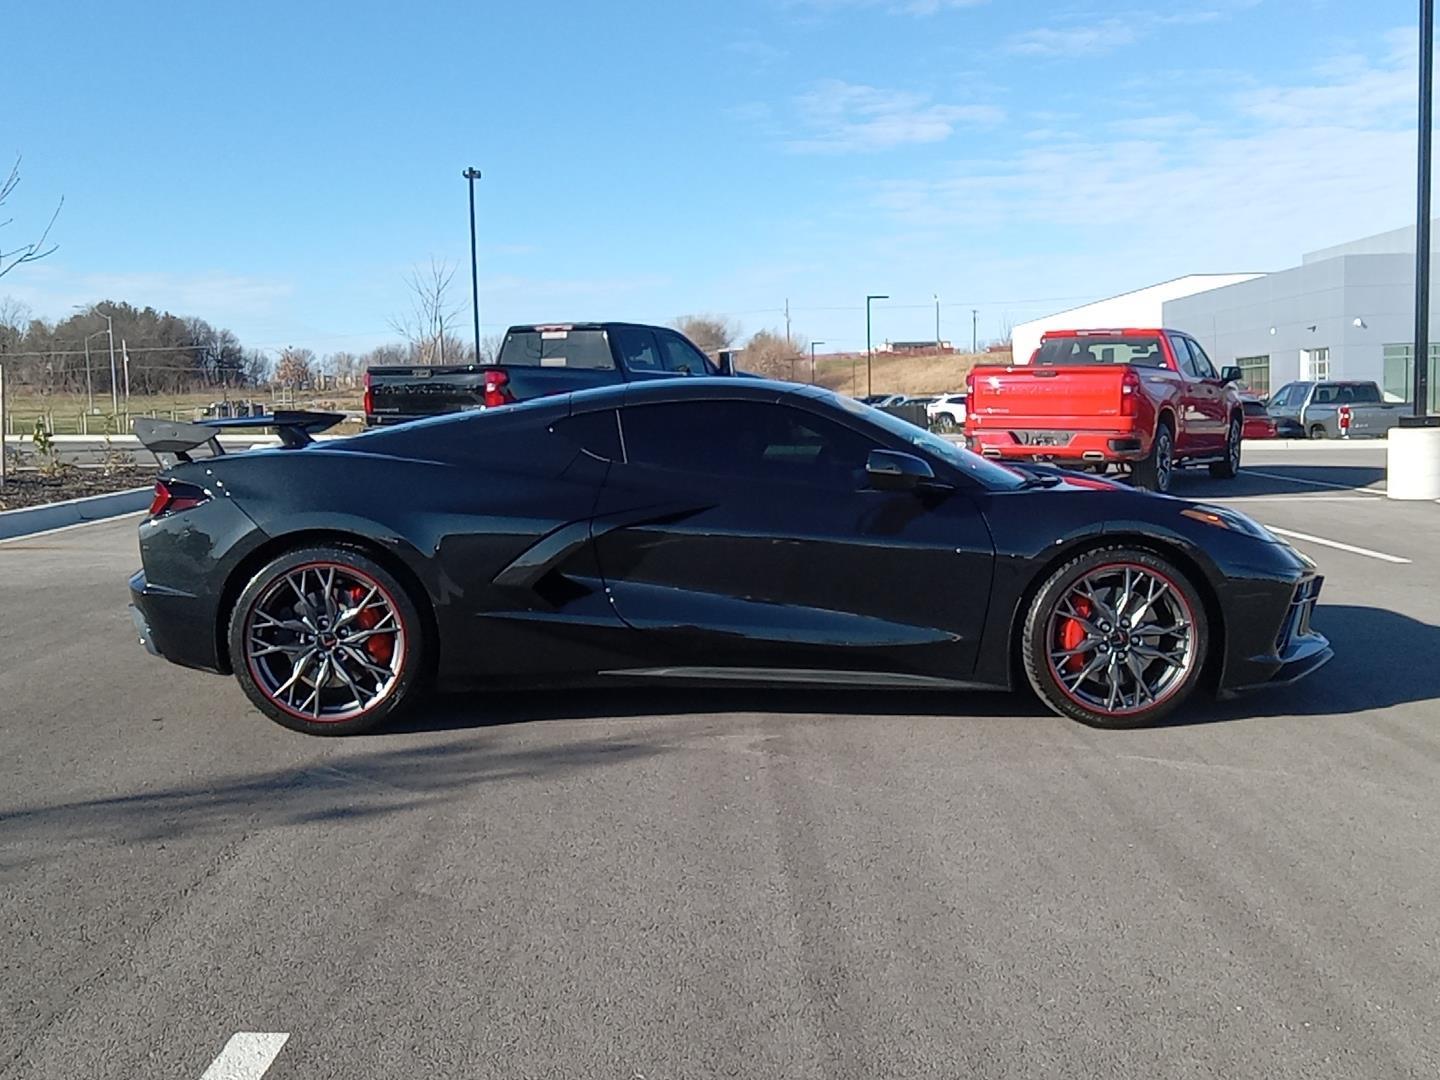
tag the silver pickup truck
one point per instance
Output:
(1315, 406)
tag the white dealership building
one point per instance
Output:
(1344, 312)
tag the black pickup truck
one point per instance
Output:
(535, 361)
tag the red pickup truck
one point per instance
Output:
(1149, 400)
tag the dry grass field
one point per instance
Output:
(66, 414)
(891, 374)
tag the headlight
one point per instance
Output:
(1224, 518)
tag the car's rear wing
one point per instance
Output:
(295, 428)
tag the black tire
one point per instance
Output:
(1230, 467)
(1317, 431)
(1156, 469)
(297, 642)
(1049, 610)
(943, 422)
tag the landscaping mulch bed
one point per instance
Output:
(28, 487)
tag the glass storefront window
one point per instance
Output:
(1255, 374)
(1398, 380)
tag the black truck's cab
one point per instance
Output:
(535, 361)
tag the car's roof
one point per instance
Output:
(688, 388)
(531, 328)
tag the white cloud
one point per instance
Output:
(1081, 39)
(219, 298)
(841, 117)
(1278, 171)
(894, 7)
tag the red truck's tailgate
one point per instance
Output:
(1075, 398)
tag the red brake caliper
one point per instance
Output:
(1072, 633)
(381, 647)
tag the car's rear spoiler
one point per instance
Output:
(295, 428)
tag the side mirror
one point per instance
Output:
(1231, 375)
(889, 470)
(725, 361)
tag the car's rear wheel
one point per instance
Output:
(1156, 470)
(1230, 467)
(326, 641)
(1317, 431)
(943, 422)
(1116, 638)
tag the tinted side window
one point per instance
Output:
(1288, 395)
(1203, 367)
(1366, 394)
(637, 346)
(748, 441)
(1325, 395)
(680, 356)
(1183, 359)
(597, 433)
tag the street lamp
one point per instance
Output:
(472, 174)
(89, 389)
(869, 352)
(812, 360)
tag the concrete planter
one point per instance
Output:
(34, 519)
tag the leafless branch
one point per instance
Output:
(26, 252)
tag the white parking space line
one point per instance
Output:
(1317, 498)
(1313, 483)
(246, 1056)
(1338, 546)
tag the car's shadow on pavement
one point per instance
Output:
(1382, 659)
(1261, 478)
(458, 711)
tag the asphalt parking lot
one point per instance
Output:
(687, 884)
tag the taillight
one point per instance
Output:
(1344, 419)
(369, 405)
(173, 496)
(1129, 391)
(497, 391)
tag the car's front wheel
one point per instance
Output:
(326, 641)
(1115, 638)
(1230, 467)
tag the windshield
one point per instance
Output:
(556, 347)
(1101, 349)
(986, 472)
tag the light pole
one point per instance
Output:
(89, 388)
(1422, 218)
(869, 352)
(472, 174)
(937, 321)
(114, 384)
(974, 331)
(812, 360)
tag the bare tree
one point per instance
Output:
(426, 326)
(294, 368)
(36, 249)
(767, 353)
(711, 332)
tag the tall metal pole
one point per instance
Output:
(1421, 351)
(812, 360)
(114, 383)
(937, 320)
(869, 352)
(473, 174)
(974, 330)
(89, 389)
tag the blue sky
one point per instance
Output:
(278, 168)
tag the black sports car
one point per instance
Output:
(701, 530)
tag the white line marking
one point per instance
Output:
(1317, 498)
(1312, 483)
(77, 525)
(1339, 546)
(246, 1056)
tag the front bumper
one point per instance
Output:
(1298, 649)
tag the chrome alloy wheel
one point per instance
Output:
(325, 642)
(1121, 640)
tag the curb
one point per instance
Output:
(35, 519)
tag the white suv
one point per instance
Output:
(947, 412)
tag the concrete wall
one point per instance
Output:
(1273, 316)
(1144, 307)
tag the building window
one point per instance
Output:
(1315, 364)
(1255, 374)
(1398, 380)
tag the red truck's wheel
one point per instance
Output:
(1154, 471)
(1230, 467)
